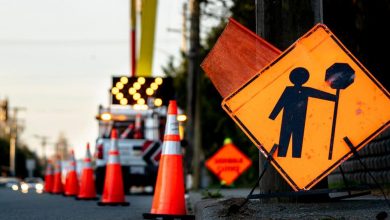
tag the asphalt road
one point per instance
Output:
(31, 206)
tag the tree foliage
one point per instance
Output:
(22, 154)
(215, 123)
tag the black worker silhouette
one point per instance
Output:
(293, 102)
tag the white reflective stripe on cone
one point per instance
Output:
(172, 126)
(72, 166)
(138, 121)
(57, 167)
(113, 159)
(87, 153)
(87, 165)
(49, 170)
(171, 147)
(113, 145)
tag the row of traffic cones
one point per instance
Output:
(86, 189)
(168, 200)
(113, 189)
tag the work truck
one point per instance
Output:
(139, 143)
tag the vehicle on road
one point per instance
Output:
(10, 182)
(139, 144)
(32, 183)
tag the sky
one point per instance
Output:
(57, 58)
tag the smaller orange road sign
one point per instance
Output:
(228, 163)
(306, 102)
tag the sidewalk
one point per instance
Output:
(365, 207)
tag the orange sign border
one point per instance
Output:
(258, 143)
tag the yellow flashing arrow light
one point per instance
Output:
(123, 101)
(124, 80)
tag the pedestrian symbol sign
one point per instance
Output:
(228, 163)
(305, 102)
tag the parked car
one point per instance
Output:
(10, 182)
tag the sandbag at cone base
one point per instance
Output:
(87, 189)
(161, 202)
(113, 192)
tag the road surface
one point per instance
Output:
(31, 206)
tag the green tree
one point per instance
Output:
(216, 125)
(22, 154)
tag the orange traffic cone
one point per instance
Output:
(49, 177)
(71, 183)
(87, 187)
(138, 134)
(57, 187)
(113, 193)
(168, 200)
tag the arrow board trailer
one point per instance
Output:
(139, 145)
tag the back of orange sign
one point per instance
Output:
(238, 55)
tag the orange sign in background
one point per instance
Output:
(306, 101)
(228, 163)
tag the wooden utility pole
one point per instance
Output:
(282, 23)
(193, 104)
(13, 140)
(184, 29)
(43, 140)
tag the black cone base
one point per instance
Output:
(69, 195)
(113, 203)
(87, 199)
(167, 217)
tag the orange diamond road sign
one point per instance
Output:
(228, 163)
(305, 102)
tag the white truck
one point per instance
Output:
(139, 145)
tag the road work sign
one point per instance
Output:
(228, 163)
(305, 102)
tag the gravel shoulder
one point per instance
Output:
(361, 208)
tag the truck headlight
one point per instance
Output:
(24, 187)
(39, 187)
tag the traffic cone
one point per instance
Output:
(138, 134)
(168, 200)
(71, 183)
(87, 187)
(57, 187)
(113, 193)
(49, 177)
